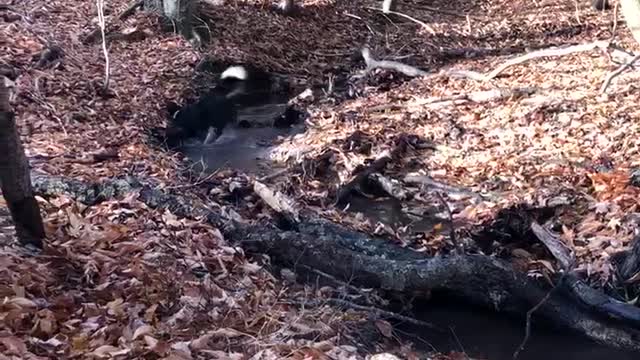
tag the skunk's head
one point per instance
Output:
(235, 73)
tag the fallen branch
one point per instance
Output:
(429, 182)
(557, 248)
(376, 165)
(102, 25)
(390, 65)
(130, 10)
(629, 267)
(555, 51)
(276, 201)
(617, 72)
(389, 186)
(377, 263)
(480, 279)
(476, 97)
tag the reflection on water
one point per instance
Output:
(389, 211)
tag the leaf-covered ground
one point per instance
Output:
(120, 279)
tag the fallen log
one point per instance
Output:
(376, 263)
(479, 279)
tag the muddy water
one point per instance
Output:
(244, 148)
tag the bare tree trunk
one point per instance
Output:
(600, 4)
(388, 5)
(631, 12)
(15, 178)
(180, 12)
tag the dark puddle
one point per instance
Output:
(247, 145)
(485, 335)
(388, 211)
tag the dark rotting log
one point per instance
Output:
(376, 263)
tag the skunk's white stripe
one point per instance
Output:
(236, 72)
(175, 114)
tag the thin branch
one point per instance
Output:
(555, 51)
(421, 23)
(452, 230)
(102, 25)
(617, 72)
(405, 69)
(527, 329)
(376, 311)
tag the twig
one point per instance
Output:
(452, 230)
(102, 25)
(346, 285)
(375, 166)
(421, 23)
(476, 97)
(361, 19)
(376, 311)
(372, 63)
(620, 70)
(123, 15)
(615, 22)
(557, 248)
(555, 51)
(527, 329)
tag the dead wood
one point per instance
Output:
(429, 182)
(476, 97)
(558, 249)
(94, 35)
(617, 72)
(603, 45)
(276, 201)
(405, 69)
(480, 279)
(376, 166)
(377, 263)
(391, 187)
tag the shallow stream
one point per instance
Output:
(479, 333)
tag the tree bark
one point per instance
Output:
(15, 178)
(180, 12)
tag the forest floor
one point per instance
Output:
(119, 279)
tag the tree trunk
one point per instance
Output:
(631, 12)
(180, 12)
(15, 178)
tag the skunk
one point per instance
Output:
(211, 114)
(242, 81)
(239, 85)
